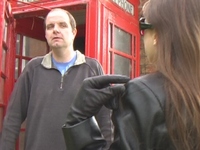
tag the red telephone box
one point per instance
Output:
(107, 31)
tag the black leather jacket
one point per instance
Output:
(139, 121)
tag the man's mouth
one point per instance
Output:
(56, 38)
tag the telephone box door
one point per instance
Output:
(120, 40)
(7, 40)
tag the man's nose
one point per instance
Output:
(56, 28)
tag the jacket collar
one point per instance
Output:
(47, 61)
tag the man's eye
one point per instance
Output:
(48, 27)
(63, 25)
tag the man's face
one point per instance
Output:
(58, 31)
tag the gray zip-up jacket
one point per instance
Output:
(42, 97)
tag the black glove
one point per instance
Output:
(93, 94)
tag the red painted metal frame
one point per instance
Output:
(9, 46)
(2, 11)
(31, 27)
(10, 55)
(29, 8)
(91, 36)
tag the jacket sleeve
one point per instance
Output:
(16, 112)
(85, 135)
(140, 120)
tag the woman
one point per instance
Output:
(159, 111)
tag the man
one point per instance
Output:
(44, 91)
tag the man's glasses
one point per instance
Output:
(144, 26)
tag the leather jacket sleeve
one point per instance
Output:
(84, 135)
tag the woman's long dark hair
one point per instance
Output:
(177, 24)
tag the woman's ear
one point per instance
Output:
(154, 41)
(155, 38)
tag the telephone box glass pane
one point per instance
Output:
(122, 65)
(33, 47)
(110, 39)
(134, 66)
(1, 117)
(20, 2)
(1, 89)
(3, 61)
(24, 62)
(18, 44)
(111, 64)
(16, 68)
(134, 46)
(122, 40)
(5, 31)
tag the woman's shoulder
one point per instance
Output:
(149, 80)
(150, 84)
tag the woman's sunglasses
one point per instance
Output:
(144, 26)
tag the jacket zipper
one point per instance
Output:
(61, 83)
(62, 78)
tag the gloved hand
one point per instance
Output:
(93, 94)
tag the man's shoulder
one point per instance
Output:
(92, 61)
(94, 65)
(34, 62)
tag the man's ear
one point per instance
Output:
(74, 32)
